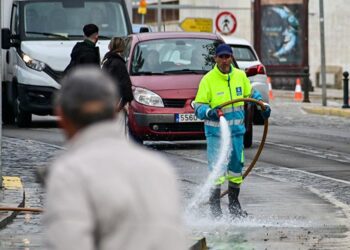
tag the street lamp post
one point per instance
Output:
(323, 56)
(159, 15)
(0, 100)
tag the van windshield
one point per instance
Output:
(53, 20)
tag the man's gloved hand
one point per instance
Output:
(212, 114)
(266, 113)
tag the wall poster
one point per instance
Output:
(282, 41)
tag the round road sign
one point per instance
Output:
(226, 23)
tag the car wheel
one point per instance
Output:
(128, 133)
(257, 118)
(248, 136)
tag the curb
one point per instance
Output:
(200, 244)
(11, 196)
(315, 97)
(328, 111)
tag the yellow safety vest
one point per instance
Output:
(217, 88)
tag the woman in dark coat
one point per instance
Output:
(115, 65)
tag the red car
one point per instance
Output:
(165, 70)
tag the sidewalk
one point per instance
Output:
(334, 99)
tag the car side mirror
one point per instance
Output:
(5, 38)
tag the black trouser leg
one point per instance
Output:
(214, 202)
(234, 206)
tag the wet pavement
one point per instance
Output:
(288, 208)
(22, 158)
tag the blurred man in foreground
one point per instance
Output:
(105, 192)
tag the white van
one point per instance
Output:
(37, 39)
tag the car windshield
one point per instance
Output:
(173, 56)
(54, 20)
(243, 53)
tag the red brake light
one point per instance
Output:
(254, 70)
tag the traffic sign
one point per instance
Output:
(142, 7)
(226, 23)
(197, 25)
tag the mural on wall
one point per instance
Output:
(281, 40)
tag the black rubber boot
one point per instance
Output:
(234, 206)
(214, 202)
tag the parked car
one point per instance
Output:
(140, 28)
(165, 80)
(248, 60)
(165, 69)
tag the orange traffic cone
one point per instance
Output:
(298, 95)
(271, 97)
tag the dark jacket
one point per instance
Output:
(84, 53)
(114, 64)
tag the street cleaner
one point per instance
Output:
(222, 84)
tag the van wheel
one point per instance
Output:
(8, 114)
(23, 118)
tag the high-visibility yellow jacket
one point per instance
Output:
(217, 88)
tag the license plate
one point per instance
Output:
(186, 118)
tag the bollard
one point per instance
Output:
(306, 85)
(346, 90)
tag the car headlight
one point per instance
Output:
(147, 97)
(32, 63)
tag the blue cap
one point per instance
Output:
(223, 49)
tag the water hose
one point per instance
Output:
(22, 209)
(263, 139)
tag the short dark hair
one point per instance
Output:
(87, 96)
(90, 29)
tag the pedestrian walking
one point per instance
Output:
(222, 84)
(86, 52)
(114, 64)
(105, 192)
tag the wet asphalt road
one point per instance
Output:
(22, 158)
(297, 144)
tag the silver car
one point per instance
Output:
(248, 60)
